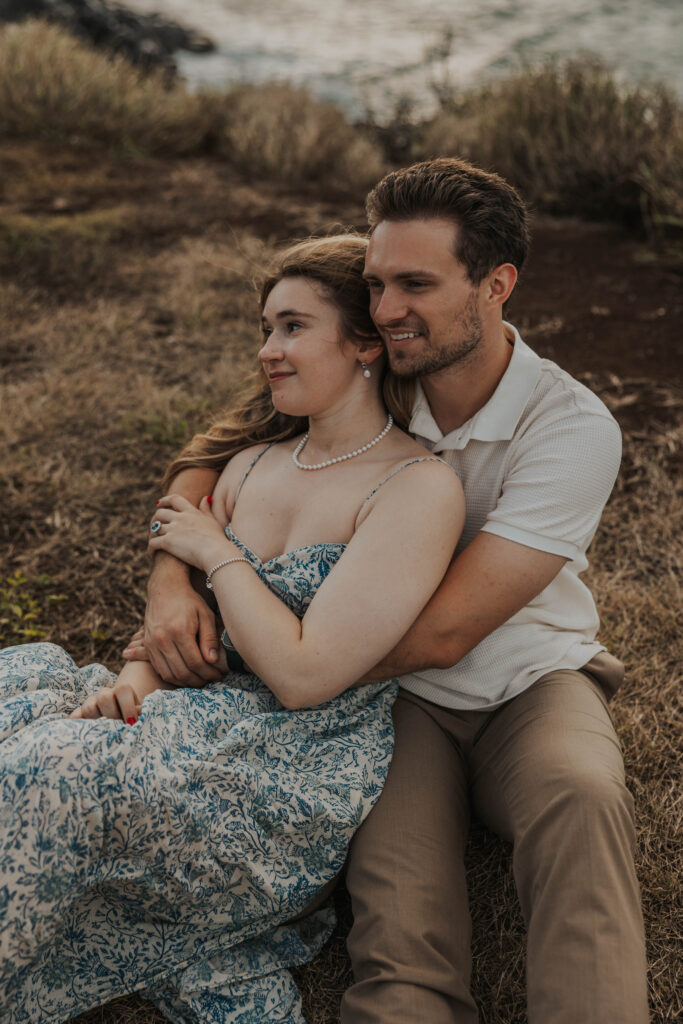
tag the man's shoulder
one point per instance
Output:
(558, 395)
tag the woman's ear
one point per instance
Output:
(368, 352)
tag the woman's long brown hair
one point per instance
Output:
(335, 262)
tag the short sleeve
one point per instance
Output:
(557, 483)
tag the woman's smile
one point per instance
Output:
(278, 375)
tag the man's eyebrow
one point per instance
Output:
(403, 275)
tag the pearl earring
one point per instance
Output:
(366, 372)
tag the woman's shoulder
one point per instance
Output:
(423, 466)
(243, 460)
(241, 464)
(408, 452)
(415, 475)
(247, 457)
(236, 470)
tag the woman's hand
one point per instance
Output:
(135, 649)
(191, 534)
(118, 701)
(123, 700)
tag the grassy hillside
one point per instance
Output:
(128, 319)
(129, 243)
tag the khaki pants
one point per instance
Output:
(545, 772)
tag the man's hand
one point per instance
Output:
(180, 638)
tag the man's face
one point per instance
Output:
(421, 299)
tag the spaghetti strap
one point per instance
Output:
(248, 471)
(424, 458)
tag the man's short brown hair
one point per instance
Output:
(490, 214)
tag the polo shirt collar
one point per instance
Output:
(495, 421)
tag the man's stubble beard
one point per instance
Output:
(434, 360)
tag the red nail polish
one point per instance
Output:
(131, 721)
(209, 500)
(158, 500)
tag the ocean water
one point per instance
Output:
(367, 54)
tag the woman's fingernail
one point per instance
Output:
(213, 653)
(131, 721)
(209, 500)
(158, 500)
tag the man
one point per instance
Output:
(503, 706)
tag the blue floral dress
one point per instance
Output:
(168, 857)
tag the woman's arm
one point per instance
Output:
(389, 570)
(488, 583)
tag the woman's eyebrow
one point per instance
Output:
(290, 312)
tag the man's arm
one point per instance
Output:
(488, 583)
(554, 491)
(180, 629)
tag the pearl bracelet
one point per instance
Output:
(228, 561)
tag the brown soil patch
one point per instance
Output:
(597, 301)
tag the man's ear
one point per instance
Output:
(499, 284)
(369, 351)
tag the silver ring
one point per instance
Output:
(156, 526)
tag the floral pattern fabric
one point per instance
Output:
(170, 857)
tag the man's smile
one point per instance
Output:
(401, 338)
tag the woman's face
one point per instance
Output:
(309, 366)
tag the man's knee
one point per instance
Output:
(597, 787)
(587, 809)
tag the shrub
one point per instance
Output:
(54, 86)
(281, 132)
(574, 141)
(569, 136)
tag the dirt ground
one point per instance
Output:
(127, 314)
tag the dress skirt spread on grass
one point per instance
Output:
(168, 857)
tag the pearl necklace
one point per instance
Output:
(340, 458)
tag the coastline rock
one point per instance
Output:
(148, 40)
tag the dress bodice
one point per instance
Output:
(295, 575)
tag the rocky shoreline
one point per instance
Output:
(148, 40)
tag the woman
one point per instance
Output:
(168, 855)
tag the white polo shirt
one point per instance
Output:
(537, 464)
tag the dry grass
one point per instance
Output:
(102, 382)
(637, 559)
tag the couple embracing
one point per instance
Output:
(390, 529)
